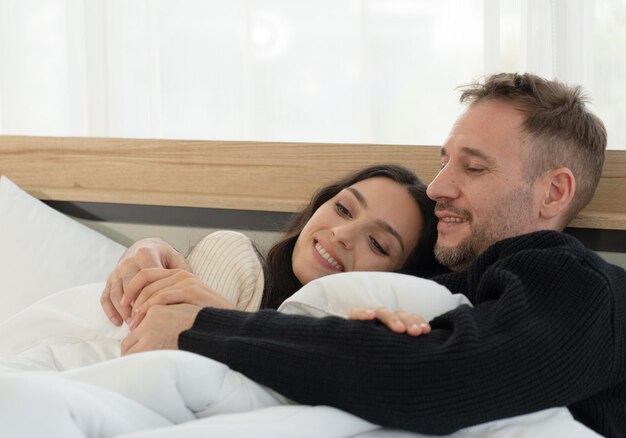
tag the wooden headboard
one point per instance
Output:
(259, 176)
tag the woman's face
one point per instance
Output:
(373, 225)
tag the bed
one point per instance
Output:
(53, 265)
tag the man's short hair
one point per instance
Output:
(564, 133)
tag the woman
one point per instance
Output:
(375, 219)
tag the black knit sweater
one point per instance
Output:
(548, 329)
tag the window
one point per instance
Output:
(362, 71)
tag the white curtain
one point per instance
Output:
(364, 71)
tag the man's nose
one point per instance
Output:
(445, 185)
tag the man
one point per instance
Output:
(547, 327)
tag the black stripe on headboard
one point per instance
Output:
(177, 216)
(596, 239)
(600, 240)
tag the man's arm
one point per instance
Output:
(160, 327)
(532, 342)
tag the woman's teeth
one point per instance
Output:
(320, 249)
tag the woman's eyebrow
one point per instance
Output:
(359, 197)
(384, 225)
(391, 230)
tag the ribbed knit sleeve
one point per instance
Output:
(547, 330)
(227, 262)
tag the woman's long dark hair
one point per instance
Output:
(281, 282)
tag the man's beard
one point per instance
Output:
(462, 255)
(512, 221)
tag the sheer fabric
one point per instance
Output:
(379, 71)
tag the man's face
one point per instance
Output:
(482, 196)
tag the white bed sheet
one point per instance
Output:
(82, 388)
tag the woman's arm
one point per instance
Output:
(398, 322)
(117, 297)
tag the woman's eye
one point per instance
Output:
(378, 247)
(343, 211)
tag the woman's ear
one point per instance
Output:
(560, 186)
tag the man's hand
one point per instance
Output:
(117, 298)
(160, 328)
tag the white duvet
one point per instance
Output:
(61, 375)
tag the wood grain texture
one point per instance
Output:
(230, 174)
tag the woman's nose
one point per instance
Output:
(344, 234)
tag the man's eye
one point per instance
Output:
(343, 211)
(473, 170)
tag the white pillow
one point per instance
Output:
(337, 294)
(43, 251)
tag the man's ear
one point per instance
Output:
(560, 186)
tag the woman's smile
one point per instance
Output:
(325, 255)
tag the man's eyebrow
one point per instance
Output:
(472, 152)
(384, 225)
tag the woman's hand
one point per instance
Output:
(117, 297)
(398, 322)
(158, 286)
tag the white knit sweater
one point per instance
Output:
(227, 262)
